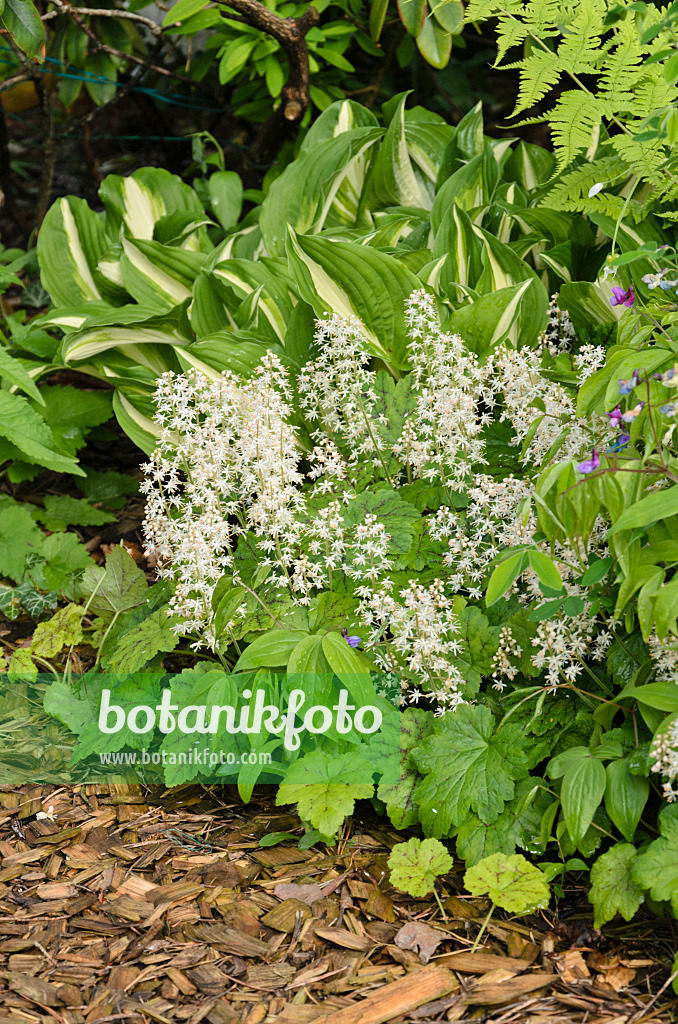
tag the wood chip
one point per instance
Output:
(393, 1000)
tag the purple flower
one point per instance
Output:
(352, 641)
(590, 465)
(627, 386)
(621, 297)
(631, 414)
(620, 443)
(668, 410)
(615, 417)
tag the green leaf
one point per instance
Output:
(71, 242)
(663, 695)
(650, 509)
(504, 576)
(19, 537)
(412, 14)
(545, 570)
(26, 430)
(467, 766)
(516, 313)
(22, 668)
(64, 703)
(273, 838)
(225, 190)
(417, 864)
(120, 586)
(378, 9)
(22, 20)
(64, 629)
(625, 797)
(136, 648)
(325, 788)
(66, 558)
(449, 14)
(511, 882)
(656, 868)
(613, 890)
(308, 658)
(356, 281)
(434, 43)
(596, 571)
(62, 511)
(15, 373)
(352, 667)
(396, 516)
(581, 792)
(182, 10)
(272, 650)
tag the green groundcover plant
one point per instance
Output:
(461, 542)
(381, 459)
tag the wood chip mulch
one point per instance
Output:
(170, 912)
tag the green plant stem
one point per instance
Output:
(482, 929)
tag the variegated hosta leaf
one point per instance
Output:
(71, 241)
(139, 201)
(409, 159)
(356, 281)
(324, 184)
(245, 277)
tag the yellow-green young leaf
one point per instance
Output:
(511, 882)
(64, 629)
(182, 10)
(504, 576)
(613, 890)
(650, 509)
(22, 668)
(417, 864)
(325, 788)
(545, 570)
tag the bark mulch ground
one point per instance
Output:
(170, 910)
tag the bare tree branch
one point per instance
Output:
(76, 13)
(113, 13)
(290, 33)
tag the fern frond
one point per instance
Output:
(581, 51)
(570, 192)
(481, 10)
(653, 94)
(647, 158)
(621, 72)
(547, 17)
(538, 73)
(667, 192)
(573, 121)
(510, 33)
